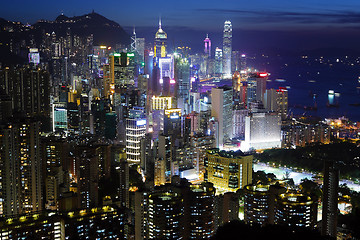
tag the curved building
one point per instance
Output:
(202, 211)
(164, 215)
(259, 201)
(296, 210)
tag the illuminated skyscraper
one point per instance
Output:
(227, 49)
(160, 42)
(222, 110)
(218, 61)
(207, 48)
(135, 130)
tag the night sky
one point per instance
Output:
(260, 23)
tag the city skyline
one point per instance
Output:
(303, 25)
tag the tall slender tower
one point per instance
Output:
(160, 42)
(227, 49)
(330, 199)
(133, 41)
(207, 48)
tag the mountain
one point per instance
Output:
(105, 31)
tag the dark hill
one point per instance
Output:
(105, 31)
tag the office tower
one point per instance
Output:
(256, 87)
(133, 41)
(207, 48)
(124, 183)
(262, 131)
(226, 208)
(135, 130)
(239, 115)
(164, 215)
(120, 73)
(161, 103)
(199, 144)
(227, 49)
(87, 164)
(228, 170)
(140, 50)
(235, 61)
(160, 50)
(159, 171)
(166, 76)
(172, 122)
(222, 111)
(218, 61)
(330, 199)
(259, 203)
(277, 100)
(182, 78)
(59, 117)
(201, 211)
(296, 210)
(20, 161)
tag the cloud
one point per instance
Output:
(262, 16)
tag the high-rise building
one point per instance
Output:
(164, 215)
(20, 161)
(259, 203)
(262, 131)
(207, 48)
(277, 100)
(296, 210)
(135, 130)
(330, 199)
(160, 50)
(218, 61)
(201, 211)
(222, 111)
(227, 49)
(29, 90)
(228, 170)
(226, 208)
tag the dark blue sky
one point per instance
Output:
(317, 20)
(257, 14)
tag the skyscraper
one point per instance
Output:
(221, 109)
(227, 49)
(207, 48)
(330, 199)
(160, 42)
(135, 130)
(218, 61)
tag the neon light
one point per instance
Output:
(130, 54)
(116, 54)
(172, 81)
(102, 47)
(263, 74)
(141, 122)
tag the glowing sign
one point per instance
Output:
(192, 79)
(116, 54)
(33, 50)
(103, 47)
(141, 122)
(172, 81)
(130, 54)
(263, 74)
(174, 116)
